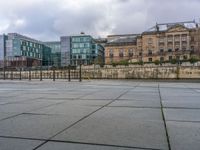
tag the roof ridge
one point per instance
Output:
(176, 22)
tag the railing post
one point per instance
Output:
(29, 74)
(4, 73)
(54, 74)
(20, 74)
(40, 73)
(69, 76)
(80, 75)
(11, 75)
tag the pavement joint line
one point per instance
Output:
(181, 108)
(108, 145)
(22, 138)
(78, 121)
(163, 116)
(183, 121)
(135, 107)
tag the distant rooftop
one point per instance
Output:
(165, 26)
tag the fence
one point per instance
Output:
(41, 74)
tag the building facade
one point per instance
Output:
(85, 49)
(165, 42)
(55, 53)
(65, 42)
(121, 47)
(18, 51)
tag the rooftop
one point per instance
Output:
(166, 26)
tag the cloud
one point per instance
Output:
(49, 19)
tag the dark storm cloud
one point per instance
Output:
(48, 19)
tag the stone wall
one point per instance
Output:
(160, 72)
(119, 72)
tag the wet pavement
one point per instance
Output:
(99, 115)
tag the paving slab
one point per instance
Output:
(181, 104)
(120, 126)
(184, 135)
(140, 96)
(69, 109)
(18, 144)
(76, 146)
(182, 114)
(135, 103)
(25, 106)
(35, 126)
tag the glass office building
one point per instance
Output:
(55, 53)
(85, 49)
(22, 51)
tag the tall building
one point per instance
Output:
(121, 47)
(55, 53)
(85, 49)
(20, 51)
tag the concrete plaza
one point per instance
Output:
(99, 115)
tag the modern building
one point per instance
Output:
(121, 47)
(2, 49)
(86, 50)
(55, 53)
(65, 42)
(20, 51)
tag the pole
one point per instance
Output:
(69, 77)
(40, 70)
(11, 75)
(20, 74)
(80, 78)
(29, 74)
(53, 74)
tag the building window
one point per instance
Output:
(121, 53)
(150, 41)
(111, 53)
(169, 50)
(170, 58)
(161, 50)
(176, 49)
(185, 57)
(150, 52)
(150, 59)
(161, 59)
(130, 52)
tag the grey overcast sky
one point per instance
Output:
(49, 19)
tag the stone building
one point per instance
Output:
(163, 42)
(168, 41)
(121, 47)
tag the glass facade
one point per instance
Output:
(85, 49)
(55, 53)
(65, 50)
